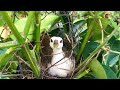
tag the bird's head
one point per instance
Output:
(56, 42)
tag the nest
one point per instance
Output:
(46, 55)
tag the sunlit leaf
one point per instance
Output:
(97, 69)
(2, 22)
(97, 31)
(47, 22)
(20, 24)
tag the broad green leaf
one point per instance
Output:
(90, 47)
(97, 69)
(111, 58)
(110, 74)
(77, 25)
(114, 44)
(57, 32)
(97, 31)
(78, 28)
(47, 22)
(86, 39)
(20, 24)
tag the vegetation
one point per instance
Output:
(94, 36)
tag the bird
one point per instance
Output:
(61, 65)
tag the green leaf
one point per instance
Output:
(33, 54)
(65, 19)
(97, 69)
(86, 38)
(82, 74)
(20, 25)
(6, 56)
(114, 44)
(2, 22)
(118, 74)
(109, 72)
(78, 24)
(33, 64)
(79, 29)
(12, 26)
(29, 22)
(97, 35)
(3, 50)
(90, 47)
(112, 58)
(47, 22)
(13, 66)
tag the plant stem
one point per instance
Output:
(82, 74)
(21, 40)
(31, 60)
(29, 21)
(37, 31)
(12, 27)
(85, 40)
(102, 31)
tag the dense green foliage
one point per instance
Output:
(95, 34)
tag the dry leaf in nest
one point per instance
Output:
(4, 31)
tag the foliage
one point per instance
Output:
(95, 37)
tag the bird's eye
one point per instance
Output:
(51, 40)
(61, 41)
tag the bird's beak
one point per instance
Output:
(55, 44)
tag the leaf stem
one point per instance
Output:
(85, 40)
(29, 21)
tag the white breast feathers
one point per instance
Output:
(60, 65)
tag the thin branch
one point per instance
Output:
(22, 60)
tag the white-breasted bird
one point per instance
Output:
(61, 65)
